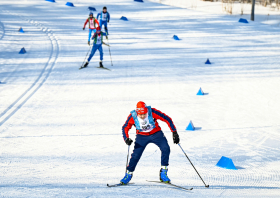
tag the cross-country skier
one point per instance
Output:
(144, 118)
(92, 23)
(104, 18)
(97, 45)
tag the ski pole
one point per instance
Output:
(127, 159)
(87, 54)
(106, 44)
(109, 51)
(207, 186)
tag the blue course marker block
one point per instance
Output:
(208, 61)
(226, 163)
(123, 18)
(22, 51)
(176, 37)
(200, 92)
(70, 4)
(21, 30)
(190, 127)
(53, 1)
(139, 1)
(243, 21)
(92, 8)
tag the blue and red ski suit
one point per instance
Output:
(155, 136)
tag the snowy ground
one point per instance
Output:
(60, 127)
(269, 14)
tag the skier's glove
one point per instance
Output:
(108, 21)
(128, 141)
(176, 138)
(83, 28)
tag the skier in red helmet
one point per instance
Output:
(144, 118)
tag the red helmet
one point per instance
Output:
(98, 29)
(141, 108)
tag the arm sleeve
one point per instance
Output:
(165, 118)
(108, 17)
(127, 126)
(93, 36)
(98, 15)
(96, 21)
(85, 23)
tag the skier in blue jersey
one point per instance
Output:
(104, 18)
(97, 45)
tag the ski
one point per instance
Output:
(116, 185)
(82, 67)
(103, 68)
(171, 185)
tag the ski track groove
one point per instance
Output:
(21, 100)
(3, 29)
(7, 78)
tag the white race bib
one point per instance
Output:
(91, 23)
(104, 16)
(145, 125)
(98, 41)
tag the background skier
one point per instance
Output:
(92, 23)
(104, 18)
(97, 45)
(148, 131)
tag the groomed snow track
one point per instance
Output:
(54, 52)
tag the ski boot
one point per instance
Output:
(88, 42)
(100, 64)
(86, 64)
(163, 175)
(126, 178)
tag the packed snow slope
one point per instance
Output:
(269, 14)
(60, 127)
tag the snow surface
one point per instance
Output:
(60, 127)
(269, 14)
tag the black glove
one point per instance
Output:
(128, 141)
(108, 21)
(83, 28)
(176, 138)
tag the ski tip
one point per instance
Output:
(107, 184)
(191, 188)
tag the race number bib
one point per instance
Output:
(104, 16)
(91, 23)
(98, 41)
(145, 125)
